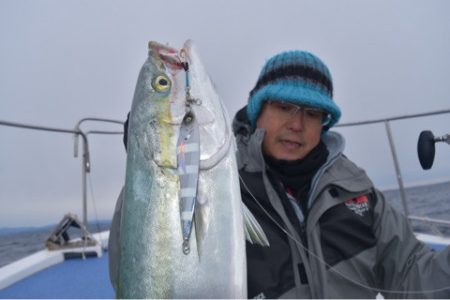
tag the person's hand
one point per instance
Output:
(125, 132)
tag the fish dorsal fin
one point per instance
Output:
(253, 230)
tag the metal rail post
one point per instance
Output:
(397, 167)
(86, 165)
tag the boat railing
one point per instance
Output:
(387, 125)
(432, 223)
(86, 160)
(77, 131)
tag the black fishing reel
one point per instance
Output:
(426, 148)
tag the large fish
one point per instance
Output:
(181, 232)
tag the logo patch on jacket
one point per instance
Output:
(358, 205)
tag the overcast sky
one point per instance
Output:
(65, 60)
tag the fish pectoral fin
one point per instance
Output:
(253, 230)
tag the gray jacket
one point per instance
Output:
(383, 257)
(357, 244)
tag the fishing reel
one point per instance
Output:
(426, 148)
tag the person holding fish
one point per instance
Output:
(315, 225)
(331, 232)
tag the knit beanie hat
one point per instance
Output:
(297, 77)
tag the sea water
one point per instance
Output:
(428, 201)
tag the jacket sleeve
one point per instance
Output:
(113, 242)
(406, 267)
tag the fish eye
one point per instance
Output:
(161, 83)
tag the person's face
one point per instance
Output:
(291, 131)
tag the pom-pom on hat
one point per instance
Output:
(298, 77)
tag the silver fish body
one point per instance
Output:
(152, 263)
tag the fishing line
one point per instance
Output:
(91, 189)
(319, 259)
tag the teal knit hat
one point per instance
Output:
(297, 77)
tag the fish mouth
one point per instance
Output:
(168, 55)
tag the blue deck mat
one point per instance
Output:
(74, 278)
